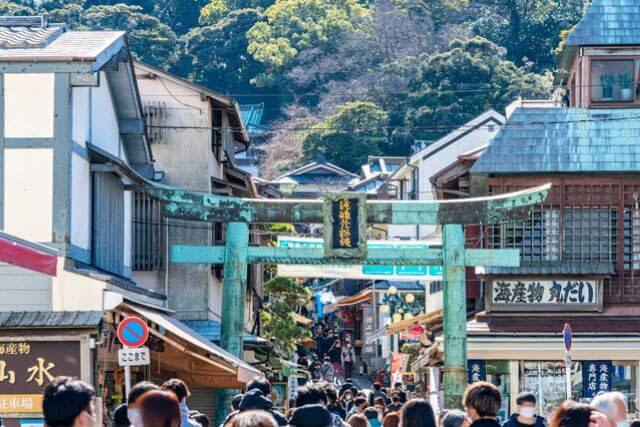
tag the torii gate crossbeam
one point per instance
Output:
(451, 214)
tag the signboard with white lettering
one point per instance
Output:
(596, 377)
(134, 356)
(562, 294)
(476, 371)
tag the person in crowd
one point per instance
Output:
(395, 404)
(311, 403)
(378, 392)
(316, 370)
(526, 416)
(201, 419)
(417, 413)
(181, 391)
(613, 405)
(482, 401)
(68, 403)
(334, 354)
(373, 417)
(358, 420)
(133, 413)
(397, 388)
(346, 400)
(326, 370)
(573, 414)
(455, 418)
(392, 419)
(160, 408)
(359, 405)
(256, 399)
(332, 404)
(348, 358)
(120, 418)
(347, 385)
(254, 418)
(321, 341)
(381, 406)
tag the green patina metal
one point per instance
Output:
(453, 255)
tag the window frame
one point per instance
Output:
(635, 59)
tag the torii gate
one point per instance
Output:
(453, 256)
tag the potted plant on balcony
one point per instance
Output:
(607, 80)
(625, 80)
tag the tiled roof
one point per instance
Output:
(28, 37)
(551, 267)
(68, 46)
(545, 140)
(50, 319)
(608, 22)
(252, 117)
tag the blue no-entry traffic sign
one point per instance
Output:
(567, 333)
(133, 332)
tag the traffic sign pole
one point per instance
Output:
(567, 335)
(132, 332)
(127, 380)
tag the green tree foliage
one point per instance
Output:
(71, 14)
(463, 82)
(293, 26)
(216, 10)
(215, 55)
(441, 12)
(347, 138)
(284, 297)
(530, 30)
(14, 9)
(180, 15)
(151, 40)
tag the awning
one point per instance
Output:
(358, 298)
(26, 254)
(206, 364)
(301, 320)
(427, 319)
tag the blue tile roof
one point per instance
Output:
(210, 329)
(608, 22)
(252, 117)
(536, 140)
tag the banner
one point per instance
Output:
(596, 377)
(361, 272)
(476, 371)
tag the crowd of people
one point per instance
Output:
(70, 403)
(332, 357)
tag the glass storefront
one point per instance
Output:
(498, 375)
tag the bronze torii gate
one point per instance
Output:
(453, 256)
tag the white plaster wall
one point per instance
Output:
(72, 291)
(29, 105)
(443, 158)
(28, 193)
(22, 289)
(81, 118)
(104, 127)
(128, 224)
(80, 202)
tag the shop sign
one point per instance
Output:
(596, 377)
(550, 295)
(345, 225)
(476, 371)
(26, 367)
(292, 388)
(134, 356)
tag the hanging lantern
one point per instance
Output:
(392, 290)
(397, 317)
(384, 309)
(409, 298)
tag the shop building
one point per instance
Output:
(580, 250)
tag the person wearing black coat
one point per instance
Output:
(483, 400)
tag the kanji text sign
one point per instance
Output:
(596, 377)
(26, 367)
(476, 371)
(133, 356)
(345, 225)
(551, 294)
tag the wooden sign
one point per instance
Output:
(345, 225)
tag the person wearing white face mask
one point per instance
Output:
(613, 405)
(526, 414)
(136, 391)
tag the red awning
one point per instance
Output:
(32, 256)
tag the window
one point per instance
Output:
(538, 238)
(632, 239)
(148, 233)
(612, 80)
(155, 115)
(590, 233)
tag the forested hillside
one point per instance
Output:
(343, 78)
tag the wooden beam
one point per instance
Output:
(483, 210)
(188, 254)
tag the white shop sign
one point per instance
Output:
(559, 294)
(133, 356)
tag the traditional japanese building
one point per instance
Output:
(580, 250)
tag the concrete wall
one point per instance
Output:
(28, 100)
(28, 193)
(188, 162)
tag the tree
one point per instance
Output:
(216, 10)
(441, 12)
(465, 81)
(284, 297)
(150, 40)
(215, 55)
(347, 138)
(293, 26)
(13, 9)
(180, 15)
(71, 14)
(530, 30)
